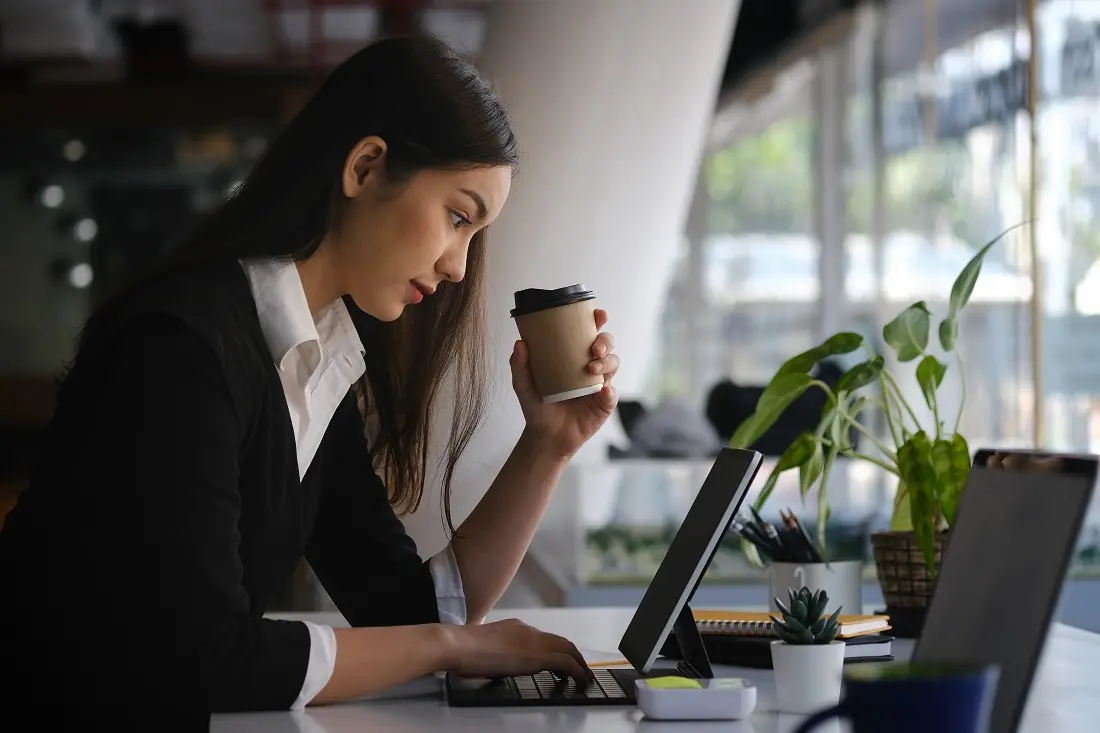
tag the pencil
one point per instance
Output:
(811, 548)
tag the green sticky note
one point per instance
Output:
(673, 682)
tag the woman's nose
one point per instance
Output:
(452, 266)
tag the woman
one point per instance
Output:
(210, 431)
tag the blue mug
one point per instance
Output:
(903, 697)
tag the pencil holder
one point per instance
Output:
(843, 581)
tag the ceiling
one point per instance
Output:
(772, 61)
(67, 39)
(957, 21)
(52, 34)
(280, 33)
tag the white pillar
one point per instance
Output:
(610, 100)
(830, 103)
(700, 323)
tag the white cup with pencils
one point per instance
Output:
(843, 581)
(796, 562)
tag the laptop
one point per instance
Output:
(1003, 567)
(663, 608)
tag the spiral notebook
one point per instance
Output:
(756, 623)
(755, 651)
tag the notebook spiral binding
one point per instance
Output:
(740, 627)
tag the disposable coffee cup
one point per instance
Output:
(559, 327)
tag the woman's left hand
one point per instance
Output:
(564, 427)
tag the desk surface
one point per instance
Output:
(1065, 696)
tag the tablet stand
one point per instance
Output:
(695, 663)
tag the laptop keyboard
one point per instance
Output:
(607, 684)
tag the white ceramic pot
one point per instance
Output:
(843, 581)
(807, 676)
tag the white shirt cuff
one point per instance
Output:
(449, 596)
(450, 600)
(322, 661)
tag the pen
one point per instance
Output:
(782, 549)
(811, 548)
(751, 534)
(771, 533)
(793, 544)
(794, 538)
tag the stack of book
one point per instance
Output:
(743, 638)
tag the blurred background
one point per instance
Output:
(736, 181)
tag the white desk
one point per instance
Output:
(1065, 696)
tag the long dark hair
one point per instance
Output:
(435, 111)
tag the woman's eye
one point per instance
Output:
(458, 220)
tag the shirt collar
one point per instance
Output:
(340, 337)
(288, 326)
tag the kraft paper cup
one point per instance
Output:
(559, 328)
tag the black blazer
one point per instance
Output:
(167, 510)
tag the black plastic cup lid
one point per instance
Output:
(533, 300)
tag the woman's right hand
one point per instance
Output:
(511, 647)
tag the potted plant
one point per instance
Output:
(930, 462)
(807, 659)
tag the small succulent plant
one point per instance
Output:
(803, 622)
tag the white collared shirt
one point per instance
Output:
(318, 360)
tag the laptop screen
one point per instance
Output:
(1006, 558)
(688, 555)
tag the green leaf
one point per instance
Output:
(860, 375)
(819, 605)
(748, 432)
(951, 459)
(785, 610)
(768, 488)
(831, 626)
(784, 632)
(929, 376)
(751, 554)
(788, 638)
(799, 610)
(794, 625)
(901, 520)
(907, 334)
(949, 332)
(829, 415)
(840, 431)
(810, 471)
(798, 452)
(844, 342)
(823, 496)
(841, 343)
(964, 283)
(802, 363)
(918, 472)
(777, 397)
(963, 289)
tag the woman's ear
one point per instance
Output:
(363, 165)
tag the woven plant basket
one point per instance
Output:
(906, 584)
